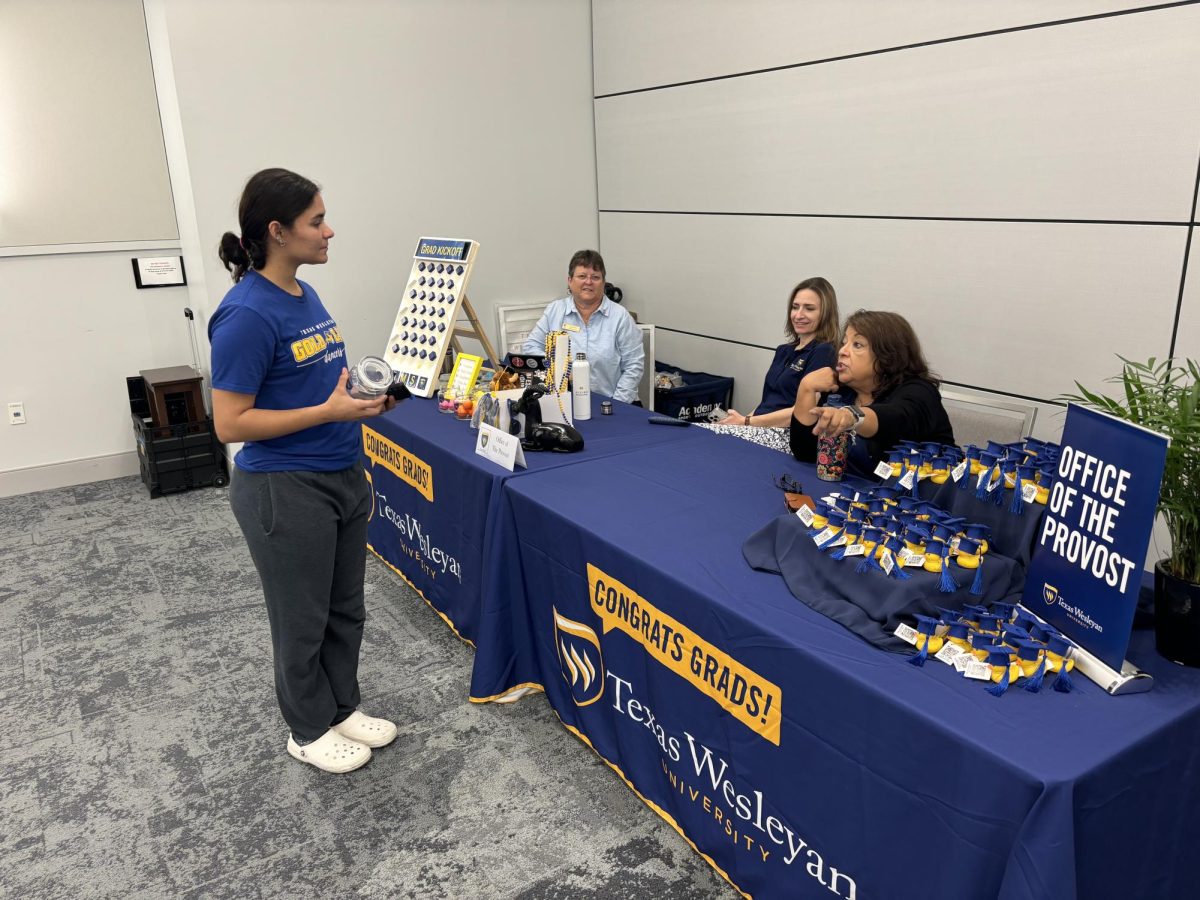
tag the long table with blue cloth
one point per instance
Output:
(435, 502)
(799, 759)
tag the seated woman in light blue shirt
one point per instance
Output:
(598, 327)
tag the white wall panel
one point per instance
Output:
(81, 148)
(1095, 120)
(641, 44)
(76, 331)
(1016, 307)
(465, 119)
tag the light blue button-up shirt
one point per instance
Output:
(611, 340)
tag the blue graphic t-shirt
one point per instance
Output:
(289, 354)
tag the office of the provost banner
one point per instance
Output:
(923, 670)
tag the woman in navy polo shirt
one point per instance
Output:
(811, 327)
(298, 492)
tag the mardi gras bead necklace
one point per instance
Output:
(562, 381)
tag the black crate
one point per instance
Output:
(174, 458)
(700, 394)
(139, 401)
(177, 458)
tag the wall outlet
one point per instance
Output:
(16, 413)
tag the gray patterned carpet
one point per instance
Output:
(142, 754)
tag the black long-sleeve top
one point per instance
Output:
(911, 411)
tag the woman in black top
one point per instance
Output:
(886, 390)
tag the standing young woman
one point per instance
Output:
(811, 328)
(298, 492)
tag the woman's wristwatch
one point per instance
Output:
(858, 415)
(746, 420)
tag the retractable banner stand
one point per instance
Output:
(1087, 567)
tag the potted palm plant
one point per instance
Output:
(1165, 396)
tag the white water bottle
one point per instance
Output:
(581, 387)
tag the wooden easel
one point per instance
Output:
(474, 331)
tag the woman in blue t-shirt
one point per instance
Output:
(812, 326)
(298, 491)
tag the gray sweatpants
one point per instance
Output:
(307, 533)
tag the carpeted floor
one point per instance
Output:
(142, 753)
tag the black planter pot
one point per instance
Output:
(1176, 617)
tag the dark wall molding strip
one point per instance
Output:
(711, 337)
(1187, 249)
(915, 46)
(1184, 223)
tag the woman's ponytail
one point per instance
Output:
(269, 195)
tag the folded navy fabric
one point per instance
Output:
(871, 604)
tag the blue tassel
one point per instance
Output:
(898, 571)
(981, 491)
(947, 584)
(919, 659)
(839, 552)
(1063, 683)
(998, 690)
(1034, 684)
(998, 493)
(868, 562)
(965, 482)
(916, 482)
(977, 583)
(1018, 502)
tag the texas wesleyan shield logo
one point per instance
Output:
(1049, 594)
(580, 659)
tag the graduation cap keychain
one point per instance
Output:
(957, 633)
(927, 641)
(1005, 670)
(1032, 657)
(1060, 662)
(871, 538)
(970, 556)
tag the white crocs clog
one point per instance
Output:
(367, 729)
(331, 752)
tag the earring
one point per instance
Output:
(281, 242)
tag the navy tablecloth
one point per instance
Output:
(434, 527)
(799, 759)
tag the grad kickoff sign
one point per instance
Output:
(1086, 569)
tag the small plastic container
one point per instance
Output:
(370, 378)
